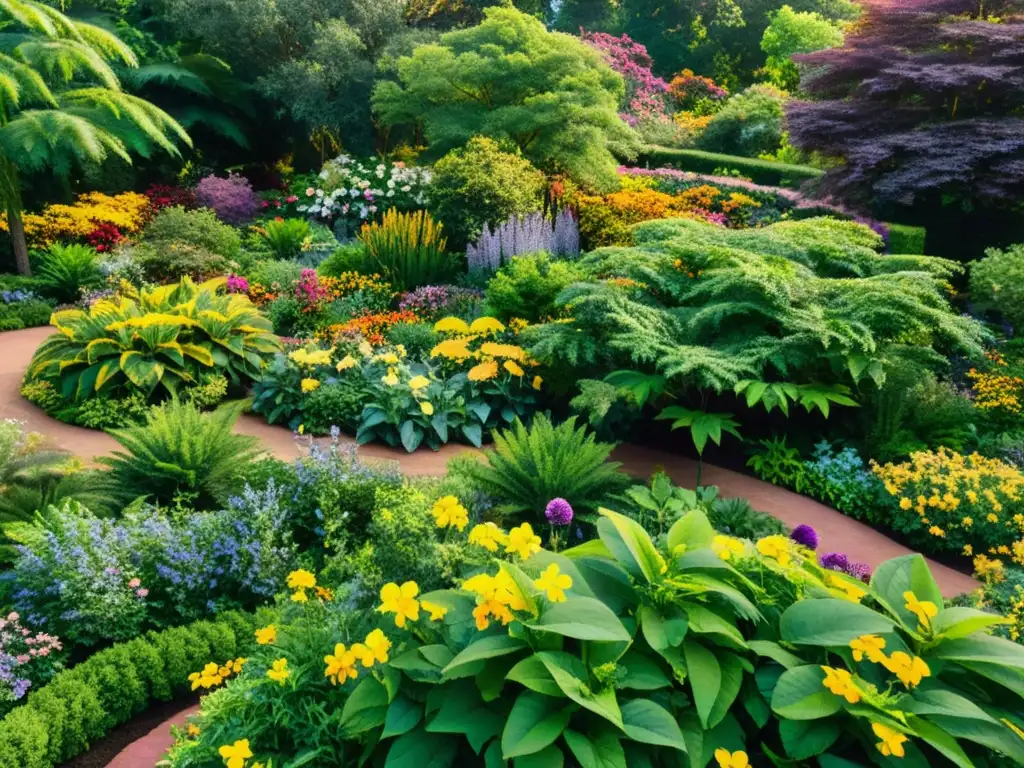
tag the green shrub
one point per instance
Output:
(209, 392)
(285, 237)
(276, 273)
(749, 124)
(337, 404)
(417, 338)
(181, 449)
(737, 518)
(763, 172)
(481, 184)
(167, 260)
(105, 413)
(997, 283)
(199, 228)
(350, 257)
(904, 239)
(527, 287)
(30, 313)
(527, 468)
(10, 322)
(65, 270)
(82, 704)
(408, 249)
(42, 394)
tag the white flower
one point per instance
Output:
(391, 184)
(406, 188)
(319, 193)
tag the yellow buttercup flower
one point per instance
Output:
(537, 382)
(727, 759)
(923, 609)
(451, 325)
(300, 596)
(390, 380)
(483, 371)
(892, 741)
(376, 647)
(437, 612)
(310, 385)
(488, 609)
(909, 669)
(726, 547)
(486, 325)
(400, 601)
(427, 409)
(513, 368)
(775, 547)
(325, 594)
(267, 635)
(192, 730)
(390, 358)
(839, 682)
(305, 358)
(870, 646)
(279, 671)
(554, 583)
(449, 513)
(488, 536)
(522, 541)
(345, 363)
(301, 579)
(340, 665)
(497, 597)
(235, 754)
(452, 349)
(418, 382)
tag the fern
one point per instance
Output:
(528, 467)
(180, 449)
(66, 269)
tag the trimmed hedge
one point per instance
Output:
(84, 703)
(906, 240)
(761, 171)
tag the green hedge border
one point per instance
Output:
(906, 240)
(761, 171)
(82, 704)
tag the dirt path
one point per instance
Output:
(837, 532)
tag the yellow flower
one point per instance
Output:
(388, 357)
(449, 513)
(208, 678)
(537, 382)
(376, 647)
(437, 612)
(554, 583)
(967, 522)
(775, 547)
(400, 601)
(235, 754)
(451, 325)
(840, 683)
(302, 428)
(891, 744)
(238, 664)
(509, 351)
(345, 363)
(923, 609)
(726, 547)
(310, 385)
(301, 579)
(418, 382)
(453, 349)
(522, 541)
(427, 409)
(489, 608)
(325, 594)
(906, 503)
(300, 596)
(366, 349)
(992, 518)
(870, 646)
(513, 368)
(968, 550)
(278, 671)
(267, 635)
(192, 730)
(390, 380)
(483, 371)
(486, 325)
(936, 531)
(851, 591)
(341, 664)
(909, 669)
(726, 759)
(488, 536)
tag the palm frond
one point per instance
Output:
(134, 121)
(57, 141)
(22, 84)
(65, 61)
(35, 17)
(107, 43)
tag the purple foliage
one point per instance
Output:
(558, 512)
(805, 536)
(232, 199)
(524, 235)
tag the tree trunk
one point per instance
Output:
(17, 230)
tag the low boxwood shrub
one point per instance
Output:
(906, 240)
(759, 171)
(84, 703)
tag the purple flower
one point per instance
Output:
(860, 571)
(834, 561)
(805, 536)
(232, 199)
(558, 512)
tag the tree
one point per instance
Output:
(793, 32)
(924, 104)
(61, 105)
(547, 93)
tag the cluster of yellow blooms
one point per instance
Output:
(449, 513)
(951, 492)
(997, 392)
(341, 665)
(301, 581)
(128, 212)
(490, 357)
(214, 674)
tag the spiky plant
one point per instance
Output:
(528, 467)
(181, 449)
(65, 269)
(62, 104)
(408, 249)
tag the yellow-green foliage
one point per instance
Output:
(166, 337)
(407, 248)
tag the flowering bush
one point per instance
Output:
(356, 190)
(231, 198)
(948, 501)
(506, 664)
(429, 302)
(371, 326)
(843, 480)
(27, 659)
(695, 93)
(645, 92)
(128, 212)
(164, 196)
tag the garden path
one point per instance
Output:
(837, 531)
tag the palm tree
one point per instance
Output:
(61, 105)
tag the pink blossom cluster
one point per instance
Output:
(645, 92)
(237, 284)
(309, 290)
(14, 638)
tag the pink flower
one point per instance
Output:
(44, 651)
(23, 659)
(291, 199)
(12, 616)
(142, 592)
(310, 192)
(134, 583)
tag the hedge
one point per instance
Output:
(760, 171)
(906, 240)
(80, 705)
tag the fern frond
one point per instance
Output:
(57, 141)
(65, 61)
(135, 121)
(107, 43)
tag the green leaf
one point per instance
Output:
(365, 708)
(549, 757)
(705, 678)
(954, 623)
(419, 749)
(604, 751)
(648, 723)
(800, 695)
(704, 621)
(583, 618)
(662, 632)
(940, 740)
(411, 435)
(732, 679)
(832, 622)
(804, 739)
(571, 676)
(486, 648)
(534, 722)
(895, 577)
(403, 715)
(463, 711)
(691, 531)
(531, 673)
(642, 673)
(631, 545)
(775, 652)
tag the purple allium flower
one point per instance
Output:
(558, 512)
(860, 571)
(834, 561)
(805, 536)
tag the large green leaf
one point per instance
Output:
(463, 711)
(534, 722)
(642, 673)
(603, 751)
(403, 715)
(419, 749)
(804, 739)
(954, 623)
(533, 674)
(141, 371)
(630, 545)
(648, 723)
(831, 622)
(486, 648)
(691, 531)
(570, 674)
(583, 618)
(705, 676)
(800, 695)
(910, 573)
(365, 708)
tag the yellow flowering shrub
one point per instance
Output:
(128, 212)
(997, 392)
(959, 503)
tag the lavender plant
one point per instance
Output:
(520, 235)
